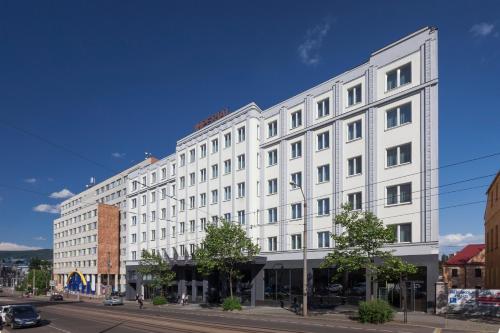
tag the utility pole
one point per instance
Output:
(33, 285)
(304, 243)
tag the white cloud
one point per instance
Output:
(118, 155)
(62, 194)
(308, 50)
(40, 238)
(460, 239)
(482, 29)
(45, 208)
(4, 246)
(30, 180)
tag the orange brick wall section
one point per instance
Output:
(492, 235)
(108, 246)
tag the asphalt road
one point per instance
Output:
(73, 317)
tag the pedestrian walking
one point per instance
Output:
(141, 303)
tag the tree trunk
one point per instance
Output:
(231, 285)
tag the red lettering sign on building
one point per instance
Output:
(211, 119)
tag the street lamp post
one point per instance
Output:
(304, 243)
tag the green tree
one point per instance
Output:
(360, 245)
(156, 269)
(42, 271)
(224, 248)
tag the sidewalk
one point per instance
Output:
(348, 312)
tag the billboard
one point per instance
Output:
(474, 302)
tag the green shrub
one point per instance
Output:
(231, 304)
(159, 300)
(375, 312)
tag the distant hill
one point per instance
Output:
(44, 254)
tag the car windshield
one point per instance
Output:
(24, 310)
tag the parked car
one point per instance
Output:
(113, 300)
(3, 311)
(22, 316)
(335, 288)
(56, 297)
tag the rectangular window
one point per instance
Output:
(134, 238)
(134, 220)
(192, 178)
(477, 272)
(153, 216)
(241, 217)
(203, 175)
(398, 116)
(241, 134)
(182, 205)
(398, 77)
(272, 244)
(163, 233)
(227, 167)
(191, 202)
(272, 129)
(296, 119)
(296, 211)
(163, 213)
(296, 242)
(354, 166)
(324, 173)
(215, 146)
(323, 239)
(227, 217)
(272, 186)
(296, 149)
(203, 224)
(323, 107)
(272, 157)
(215, 196)
(241, 162)
(354, 200)
(144, 236)
(296, 180)
(203, 150)
(182, 160)
(153, 235)
(399, 194)
(227, 193)
(203, 199)
(182, 250)
(163, 193)
(323, 140)
(134, 255)
(241, 190)
(134, 203)
(272, 215)
(227, 140)
(399, 155)
(192, 226)
(153, 178)
(182, 228)
(192, 155)
(354, 95)
(215, 171)
(182, 182)
(324, 206)
(354, 130)
(402, 232)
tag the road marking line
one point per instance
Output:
(59, 329)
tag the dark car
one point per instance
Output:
(22, 316)
(56, 297)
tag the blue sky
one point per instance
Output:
(113, 79)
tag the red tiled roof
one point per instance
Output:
(464, 255)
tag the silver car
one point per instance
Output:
(3, 311)
(113, 300)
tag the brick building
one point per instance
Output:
(466, 269)
(491, 225)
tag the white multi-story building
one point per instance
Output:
(368, 137)
(90, 236)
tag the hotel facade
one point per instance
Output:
(368, 137)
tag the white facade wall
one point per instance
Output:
(370, 109)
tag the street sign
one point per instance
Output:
(52, 283)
